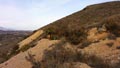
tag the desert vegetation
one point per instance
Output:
(112, 24)
(74, 36)
(72, 27)
(60, 55)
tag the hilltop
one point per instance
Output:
(89, 38)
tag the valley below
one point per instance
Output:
(9, 40)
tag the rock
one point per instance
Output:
(94, 35)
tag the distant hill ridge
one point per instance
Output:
(3, 29)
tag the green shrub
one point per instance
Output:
(24, 48)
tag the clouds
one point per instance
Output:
(33, 14)
(27, 14)
(12, 16)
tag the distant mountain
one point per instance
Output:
(4, 29)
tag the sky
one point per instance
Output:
(33, 14)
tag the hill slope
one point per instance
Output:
(87, 39)
(89, 16)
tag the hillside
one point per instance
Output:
(8, 41)
(90, 15)
(89, 38)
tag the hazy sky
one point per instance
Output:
(33, 14)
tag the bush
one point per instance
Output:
(72, 35)
(59, 55)
(13, 52)
(76, 36)
(53, 32)
(33, 61)
(24, 48)
(112, 24)
(96, 62)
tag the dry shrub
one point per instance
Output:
(54, 32)
(112, 24)
(72, 35)
(95, 61)
(33, 61)
(59, 55)
(76, 36)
